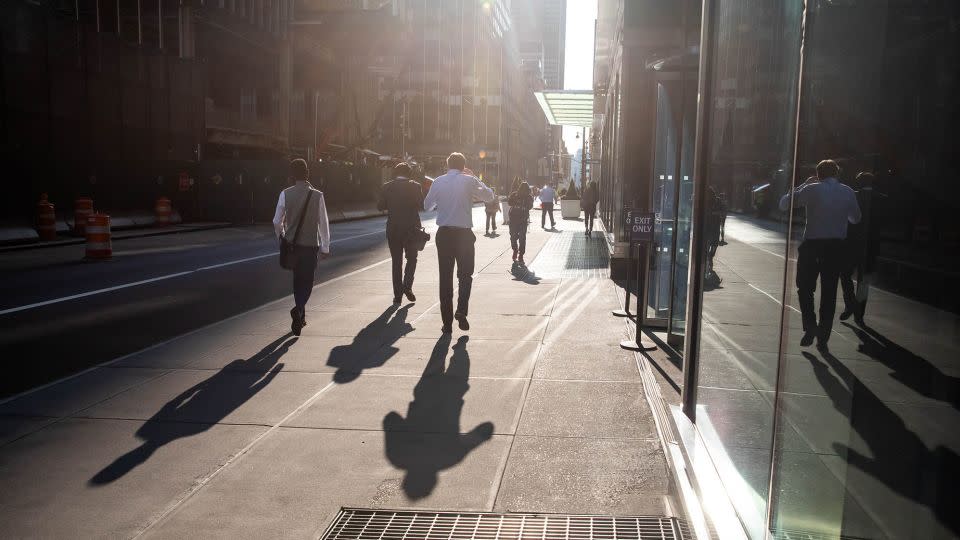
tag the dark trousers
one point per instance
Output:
(491, 221)
(824, 259)
(303, 272)
(399, 244)
(518, 234)
(588, 217)
(850, 301)
(545, 209)
(455, 247)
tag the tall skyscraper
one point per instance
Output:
(554, 31)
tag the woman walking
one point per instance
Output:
(520, 204)
(591, 196)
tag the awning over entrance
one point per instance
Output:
(567, 107)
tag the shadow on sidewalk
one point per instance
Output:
(913, 371)
(428, 440)
(372, 346)
(895, 455)
(203, 405)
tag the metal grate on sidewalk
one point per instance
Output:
(367, 524)
(571, 254)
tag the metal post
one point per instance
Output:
(625, 312)
(639, 343)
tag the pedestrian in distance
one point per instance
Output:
(830, 207)
(588, 202)
(520, 201)
(862, 240)
(401, 198)
(453, 195)
(491, 209)
(548, 196)
(301, 218)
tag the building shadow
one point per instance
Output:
(895, 456)
(201, 407)
(913, 371)
(372, 346)
(429, 439)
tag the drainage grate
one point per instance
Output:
(363, 524)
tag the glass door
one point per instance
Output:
(664, 184)
(684, 205)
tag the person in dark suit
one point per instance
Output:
(862, 240)
(520, 204)
(402, 199)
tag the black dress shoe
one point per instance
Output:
(397, 299)
(447, 329)
(296, 321)
(462, 320)
(846, 314)
(822, 346)
(807, 339)
(410, 296)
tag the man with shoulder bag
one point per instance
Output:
(402, 199)
(303, 228)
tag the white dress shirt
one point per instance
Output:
(323, 223)
(453, 194)
(830, 206)
(548, 194)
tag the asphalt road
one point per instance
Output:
(59, 314)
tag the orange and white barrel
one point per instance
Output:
(162, 212)
(98, 237)
(82, 209)
(46, 219)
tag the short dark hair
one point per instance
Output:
(299, 170)
(457, 161)
(827, 168)
(402, 169)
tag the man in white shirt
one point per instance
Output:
(547, 197)
(302, 205)
(830, 206)
(453, 195)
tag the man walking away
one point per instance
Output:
(830, 206)
(591, 196)
(520, 204)
(453, 195)
(547, 196)
(402, 200)
(302, 205)
(861, 249)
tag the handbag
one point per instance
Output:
(288, 253)
(419, 238)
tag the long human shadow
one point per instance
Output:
(429, 439)
(524, 274)
(197, 409)
(896, 456)
(912, 370)
(372, 346)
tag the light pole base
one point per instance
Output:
(621, 313)
(632, 345)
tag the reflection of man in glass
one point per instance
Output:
(830, 206)
(861, 254)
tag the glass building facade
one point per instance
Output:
(857, 438)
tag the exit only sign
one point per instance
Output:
(640, 224)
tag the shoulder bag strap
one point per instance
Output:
(303, 213)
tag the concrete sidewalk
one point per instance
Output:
(241, 430)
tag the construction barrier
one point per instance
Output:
(46, 219)
(82, 209)
(98, 237)
(162, 211)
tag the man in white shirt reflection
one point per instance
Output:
(830, 206)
